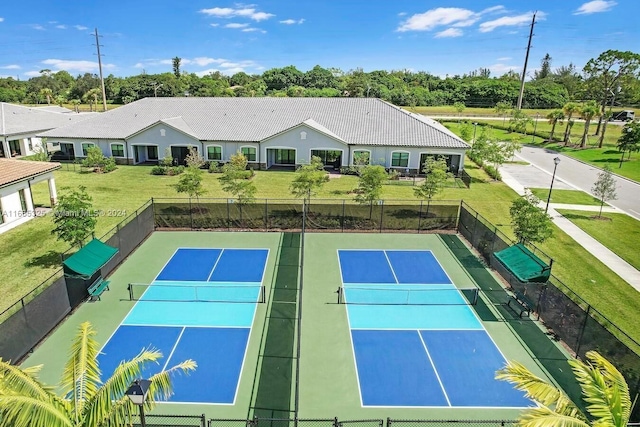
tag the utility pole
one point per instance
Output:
(104, 93)
(526, 59)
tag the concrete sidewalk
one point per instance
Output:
(622, 268)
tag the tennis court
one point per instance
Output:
(201, 306)
(416, 340)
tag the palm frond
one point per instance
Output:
(27, 411)
(538, 389)
(99, 408)
(81, 375)
(601, 390)
(546, 417)
(161, 388)
(14, 380)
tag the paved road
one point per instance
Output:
(581, 176)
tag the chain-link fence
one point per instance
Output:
(565, 314)
(24, 324)
(335, 422)
(321, 215)
(157, 420)
(446, 423)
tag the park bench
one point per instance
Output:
(97, 288)
(521, 304)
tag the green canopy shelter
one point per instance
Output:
(89, 259)
(524, 264)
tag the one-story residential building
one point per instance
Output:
(16, 179)
(268, 131)
(20, 125)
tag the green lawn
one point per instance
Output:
(570, 197)
(33, 253)
(618, 232)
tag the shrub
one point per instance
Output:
(215, 167)
(158, 170)
(175, 170)
(109, 165)
(492, 172)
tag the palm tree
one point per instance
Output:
(604, 390)
(85, 401)
(47, 93)
(588, 112)
(568, 109)
(554, 117)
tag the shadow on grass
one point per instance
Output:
(46, 260)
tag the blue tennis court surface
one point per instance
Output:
(416, 340)
(201, 306)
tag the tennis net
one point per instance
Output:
(414, 295)
(191, 293)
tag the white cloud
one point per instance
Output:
(228, 12)
(203, 61)
(504, 59)
(1, 19)
(139, 65)
(292, 21)
(80, 27)
(11, 67)
(37, 27)
(449, 32)
(500, 69)
(80, 66)
(595, 6)
(214, 25)
(61, 27)
(402, 13)
(437, 17)
(236, 25)
(493, 9)
(32, 73)
(253, 30)
(510, 21)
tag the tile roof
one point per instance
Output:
(364, 121)
(18, 170)
(17, 119)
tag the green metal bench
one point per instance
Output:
(97, 288)
(522, 304)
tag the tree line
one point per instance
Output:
(613, 74)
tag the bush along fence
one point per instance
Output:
(153, 420)
(321, 215)
(565, 314)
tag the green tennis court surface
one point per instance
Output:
(328, 372)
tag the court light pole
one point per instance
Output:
(556, 161)
(137, 393)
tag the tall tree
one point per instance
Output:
(630, 139)
(370, 183)
(73, 216)
(176, 66)
(605, 187)
(85, 400)
(568, 77)
(604, 391)
(236, 180)
(502, 108)
(569, 109)
(588, 112)
(530, 223)
(545, 68)
(604, 74)
(554, 117)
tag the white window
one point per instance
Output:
(214, 152)
(249, 153)
(303, 135)
(86, 146)
(117, 150)
(162, 132)
(399, 159)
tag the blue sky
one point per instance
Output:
(440, 37)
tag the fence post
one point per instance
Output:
(420, 216)
(381, 214)
(266, 214)
(203, 420)
(584, 325)
(342, 218)
(190, 213)
(473, 233)
(228, 216)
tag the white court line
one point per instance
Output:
(391, 267)
(435, 371)
(164, 368)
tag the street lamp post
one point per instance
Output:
(535, 126)
(137, 393)
(474, 131)
(553, 177)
